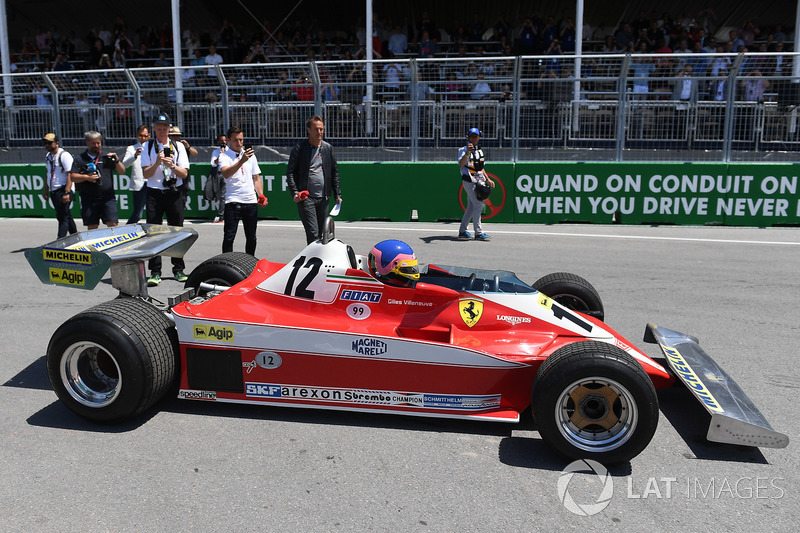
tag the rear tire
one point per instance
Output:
(113, 361)
(226, 269)
(573, 292)
(592, 400)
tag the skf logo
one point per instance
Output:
(67, 277)
(471, 310)
(264, 390)
(212, 333)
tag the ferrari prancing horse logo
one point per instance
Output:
(471, 310)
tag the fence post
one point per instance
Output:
(622, 87)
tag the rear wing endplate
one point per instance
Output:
(734, 417)
(81, 260)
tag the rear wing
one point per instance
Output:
(734, 417)
(81, 260)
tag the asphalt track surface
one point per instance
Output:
(188, 465)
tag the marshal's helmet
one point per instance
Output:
(394, 263)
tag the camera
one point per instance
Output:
(109, 161)
(91, 168)
(167, 151)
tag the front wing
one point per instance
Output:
(734, 417)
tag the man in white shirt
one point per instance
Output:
(213, 58)
(59, 185)
(244, 191)
(132, 160)
(165, 166)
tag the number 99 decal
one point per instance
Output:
(358, 311)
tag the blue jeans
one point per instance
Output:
(63, 213)
(139, 201)
(248, 214)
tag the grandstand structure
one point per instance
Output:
(593, 107)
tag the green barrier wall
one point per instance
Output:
(628, 193)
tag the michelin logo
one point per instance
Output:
(361, 296)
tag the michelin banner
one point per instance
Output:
(544, 193)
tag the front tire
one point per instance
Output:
(573, 292)
(113, 361)
(226, 270)
(592, 400)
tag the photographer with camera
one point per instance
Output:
(476, 183)
(92, 175)
(165, 166)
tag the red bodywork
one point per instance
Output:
(327, 335)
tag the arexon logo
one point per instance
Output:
(370, 347)
(207, 333)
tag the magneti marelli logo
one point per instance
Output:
(585, 466)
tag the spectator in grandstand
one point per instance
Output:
(398, 42)
(58, 187)
(567, 35)
(283, 89)
(42, 98)
(754, 86)
(685, 89)
(328, 87)
(526, 38)
(213, 58)
(215, 174)
(132, 160)
(304, 88)
(62, 64)
(427, 46)
(481, 90)
(749, 33)
(471, 161)
(165, 166)
(313, 177)
(642, 68)
(476, 28)
(623, 36)
(92, 175)
(392, 73)
(421, 90)
(119, 58)
(779, 67)
(734, 41)
(243, 191)
(453, 88)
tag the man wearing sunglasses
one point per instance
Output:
(132, 160)
(59, 185)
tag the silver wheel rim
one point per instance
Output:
(596, 414)
(90, 374)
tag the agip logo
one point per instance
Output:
(471, 310)
(202, 332)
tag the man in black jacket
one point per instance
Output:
(313, 177)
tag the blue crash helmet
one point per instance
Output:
(475, 131)
(394, 263)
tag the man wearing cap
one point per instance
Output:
(471, 160)
(215, 174)
(165, 166)
(175, 136)
(92, 173)
(58, 185)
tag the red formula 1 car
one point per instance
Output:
(321, 331)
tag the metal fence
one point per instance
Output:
(641, 107)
